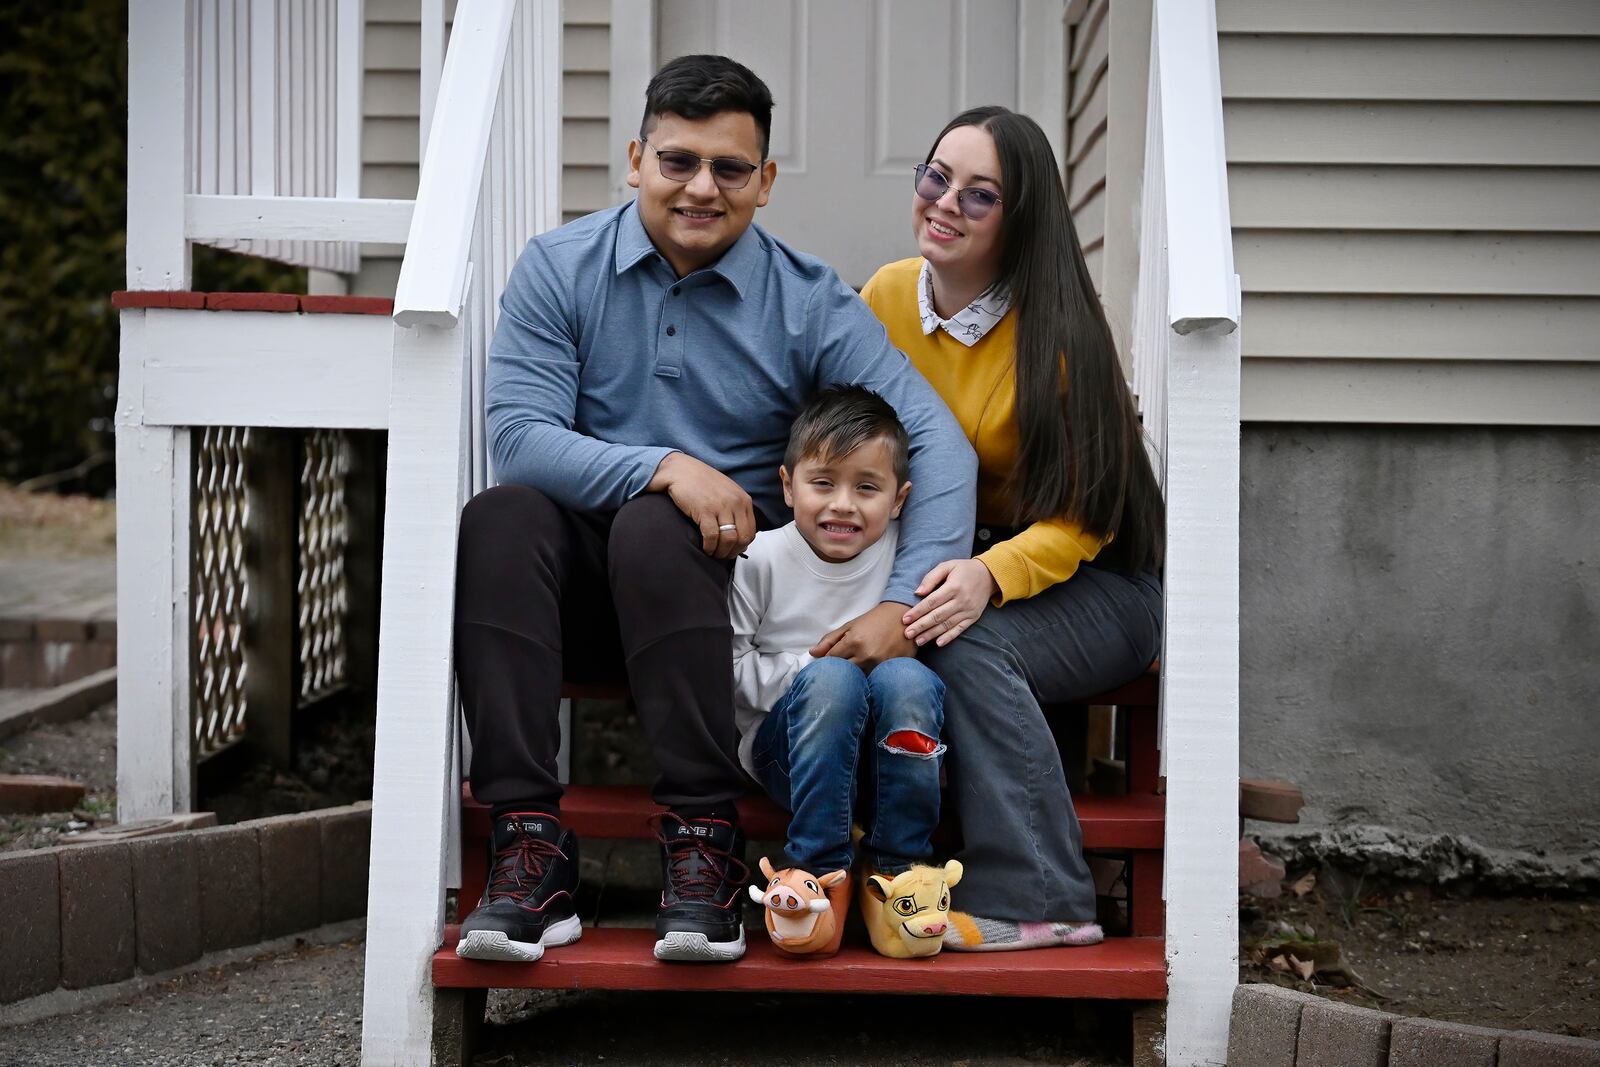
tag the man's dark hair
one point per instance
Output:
(698, 87)
(841, 419)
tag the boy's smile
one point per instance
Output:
(843, 504)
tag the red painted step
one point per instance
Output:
(1128, 968)
(1135, 821)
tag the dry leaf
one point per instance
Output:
(1304, 884)
(1278, 963)
(1305, 968)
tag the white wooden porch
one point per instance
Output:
(244, 133)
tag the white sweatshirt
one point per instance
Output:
(784, 597)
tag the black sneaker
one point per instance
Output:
(527, 906)
(702, 877)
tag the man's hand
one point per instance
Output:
(712, 501)
(867, 640)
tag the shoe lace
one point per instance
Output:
(696, 869)
(519, 868)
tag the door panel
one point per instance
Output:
(861, 89)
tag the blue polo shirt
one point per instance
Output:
(604, 362)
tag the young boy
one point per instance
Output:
(810, 729)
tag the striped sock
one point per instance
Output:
(971, 933)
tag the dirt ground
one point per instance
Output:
(52, 526)
(1516, 963)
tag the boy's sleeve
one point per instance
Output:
(760, 677)
(1042, 555)
(851, 345)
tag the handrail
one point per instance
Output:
(1201, 292)
(433, 274)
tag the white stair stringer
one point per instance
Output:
(413, 769)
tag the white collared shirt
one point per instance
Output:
(970, 323)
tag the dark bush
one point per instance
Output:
(63, 80)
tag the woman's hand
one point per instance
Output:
(954, 595)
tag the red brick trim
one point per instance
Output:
(179, 298)
(348, 305)
(123, 299)
(252, 302)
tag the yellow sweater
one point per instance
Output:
(979, 385)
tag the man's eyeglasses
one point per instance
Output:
(729, 174)
(975, 201)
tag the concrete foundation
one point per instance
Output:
(1420, 645)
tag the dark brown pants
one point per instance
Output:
(545, 594)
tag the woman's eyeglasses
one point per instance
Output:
(729, 174)
(975, 201)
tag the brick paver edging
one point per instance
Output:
(93, 914)
(1274, 1027)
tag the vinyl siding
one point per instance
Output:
(390, 91)
(1088, 105)
(1416, 212)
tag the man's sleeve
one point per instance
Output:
(531, 395)
(851, 345)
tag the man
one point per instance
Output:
(646, 367)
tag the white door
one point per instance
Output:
(860, 90)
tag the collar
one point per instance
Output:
(735, 267)
(971, 323)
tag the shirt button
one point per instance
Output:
(675, 290)
(983, 535)
(671, 330)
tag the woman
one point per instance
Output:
(1062, 597)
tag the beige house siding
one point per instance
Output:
(390, 94)
(1416, 208)
(1088, 107)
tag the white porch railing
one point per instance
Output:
(489, 181)
(1186, 372)
(276, 111)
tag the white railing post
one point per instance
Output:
(154, 483)
(160, 72)
(429, 477)
(1188, 367)
(1199, 225)
(153, 473)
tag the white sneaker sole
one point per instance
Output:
(497, 945)
(686, 947)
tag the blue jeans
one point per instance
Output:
(811, 755)
(1022, 846)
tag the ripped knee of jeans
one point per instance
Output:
(912, 743)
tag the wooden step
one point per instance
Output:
(1136, 821)
(1128, 968)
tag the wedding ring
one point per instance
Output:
(727, 526)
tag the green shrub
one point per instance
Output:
(63, 134)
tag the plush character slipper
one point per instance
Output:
(907, 915)
(804, 914)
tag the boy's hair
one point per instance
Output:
(698, 87)
(841, 419)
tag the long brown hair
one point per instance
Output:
(1081, 451)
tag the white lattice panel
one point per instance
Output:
(321, 593)
(220, 589)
